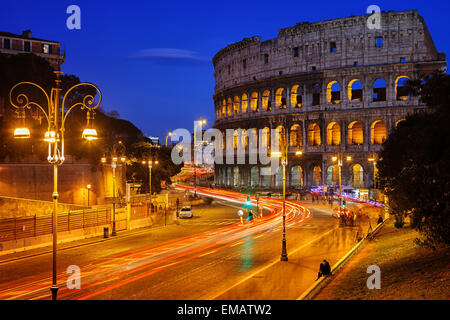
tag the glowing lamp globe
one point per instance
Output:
(89, 134)
(21, 133)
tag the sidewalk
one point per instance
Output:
(408, 271)
(288, 280)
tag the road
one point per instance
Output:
(210, 256)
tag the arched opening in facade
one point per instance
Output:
(355, 133)
(355, 90)
(224, 140)
(314, 135)
(399, 121)
(379, 90)
(224, 176)
(317, 176)
(316, 92)
(280, 98)
(357, 176)
(229, 105)
(378, 132)
(279, 177)
(333, 134)
(236, 105)
(236, 176)
(334, 92)
(295, 136)
(224, 108)
(264, 142)
(297, 176)
(266, 101)
(244, 139)
(235, 139)
(401, 88)
(216, 109)
(254, 102)
(333, 175)
(244, 103)
(280, 130)
(254, 176)
(229, 177)
(296, 96)
(265, 177)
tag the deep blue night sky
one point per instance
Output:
(118, 41)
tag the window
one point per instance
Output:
(296, 52)
(379, 42)
(313, 68)
(333, 47)
(6, 44)
(26, 46)
(266, 58)
(46, 48)
(229, 69)
(402, 60)
(244, 64)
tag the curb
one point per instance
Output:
(315, 288)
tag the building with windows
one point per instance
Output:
(11, 43)
(336, 87)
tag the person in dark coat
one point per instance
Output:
(320, 271)
(326, 268)
(250, 215)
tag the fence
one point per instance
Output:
(20, 228)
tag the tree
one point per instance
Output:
(414, 166)
(145, 151)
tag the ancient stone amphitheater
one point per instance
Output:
(337, 88)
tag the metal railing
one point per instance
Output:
(26, 227)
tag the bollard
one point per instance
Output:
(105, 232)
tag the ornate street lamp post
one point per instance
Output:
(88, 189)
(201, 122)
(114, 160)
(284, 160)
(167, 136)
(150, 164)
(56, 114)
(339, 160)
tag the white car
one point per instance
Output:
(186, 212)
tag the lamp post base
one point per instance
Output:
(54, 290)
(284, 256)
(113, 233)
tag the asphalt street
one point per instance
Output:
(209, 256)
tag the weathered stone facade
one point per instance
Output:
(335, 86)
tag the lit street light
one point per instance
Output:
(202, 122)
(150, 164)
(283, 154)
(55, 113)
(168, 135)
(88, 189)
(114, 160)
(339, 160)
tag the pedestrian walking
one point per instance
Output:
(250, 215)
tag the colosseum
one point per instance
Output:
(335, 88)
